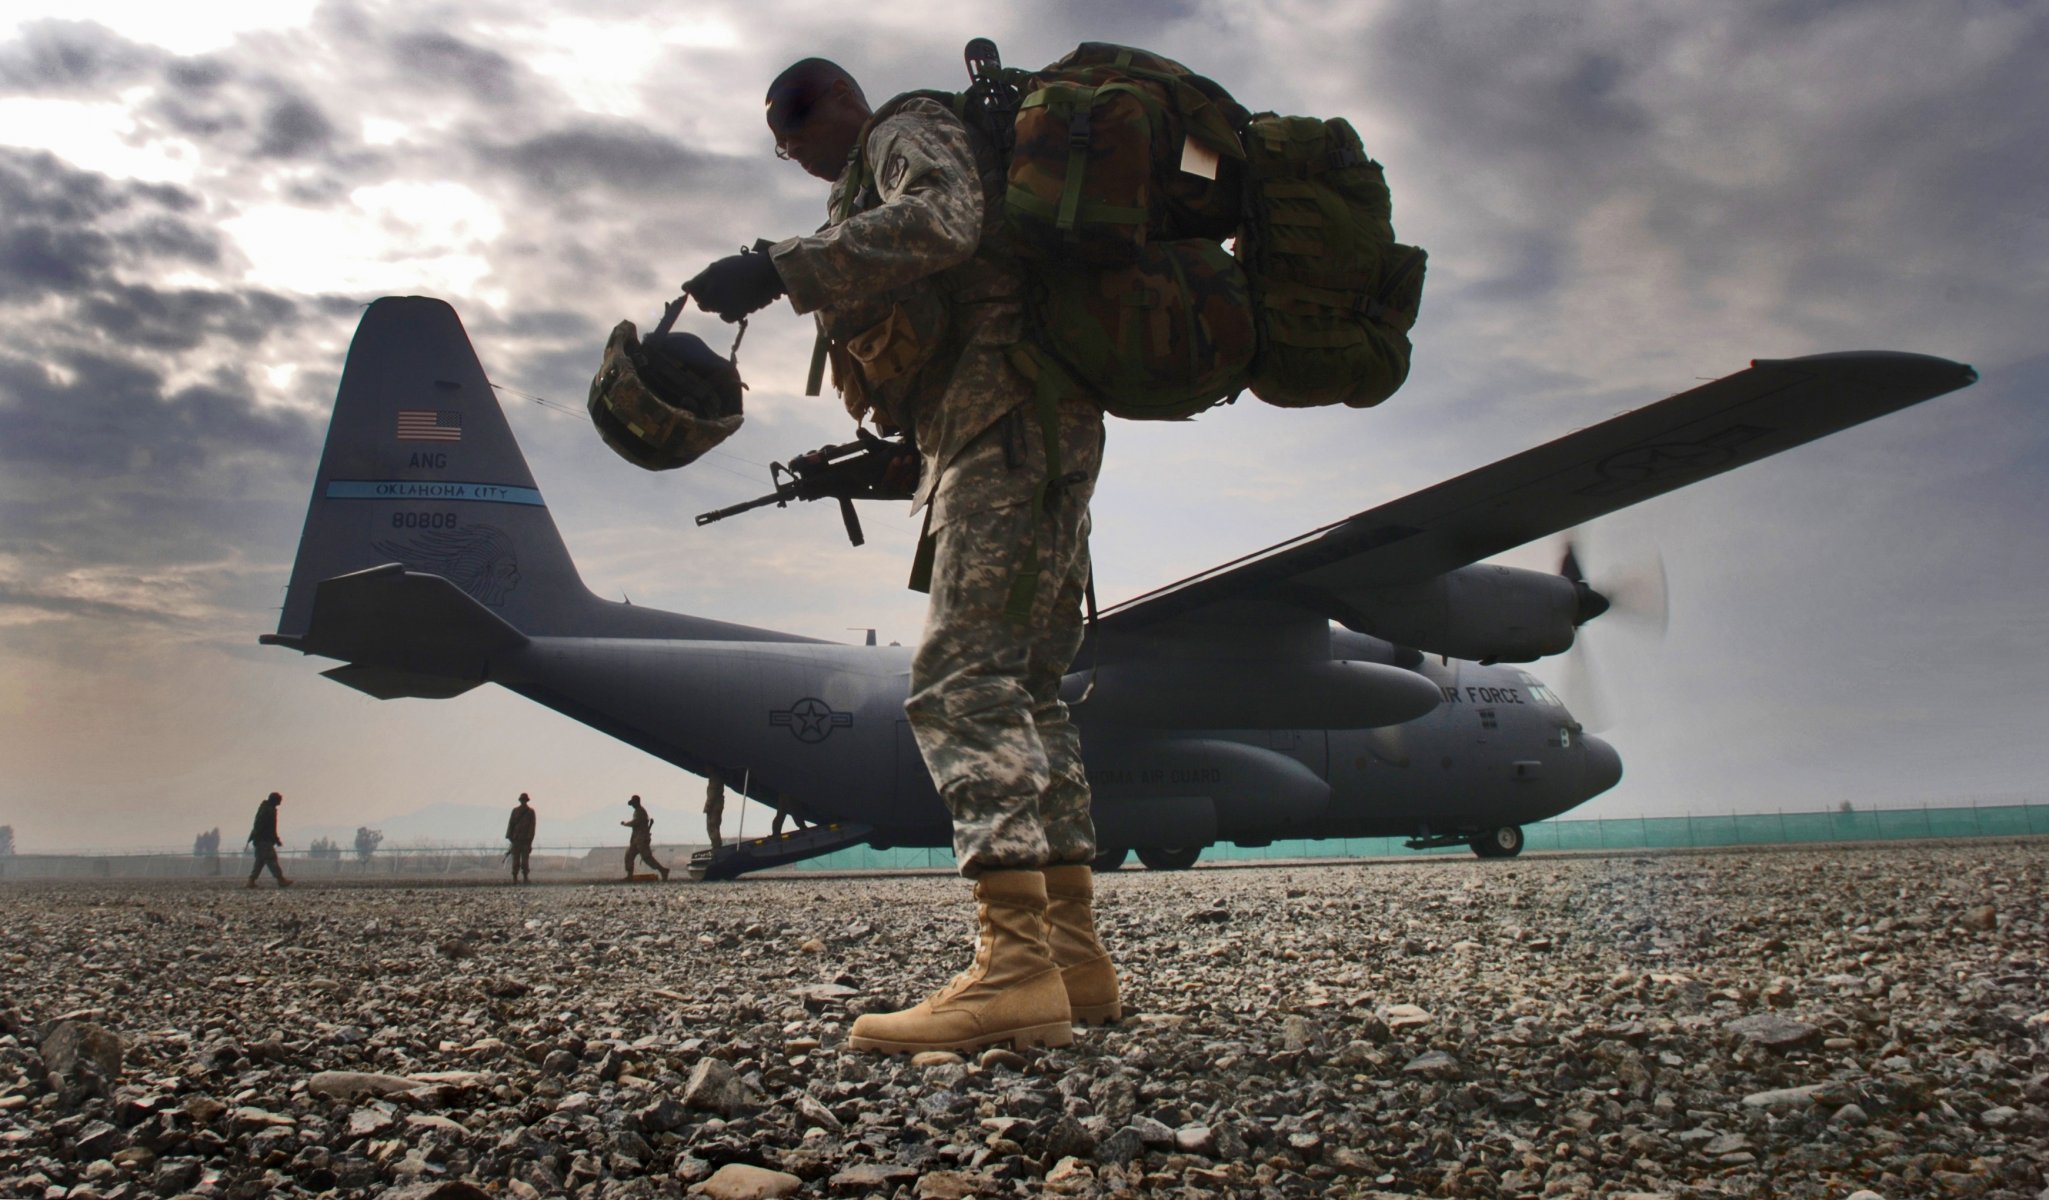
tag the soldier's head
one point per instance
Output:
(633, 802)
(274, 798)
(815, 111)
(523, 798)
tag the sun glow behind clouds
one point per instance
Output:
(600, 64)
(98, 135)
(393, 238)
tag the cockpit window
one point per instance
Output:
(1540, 693)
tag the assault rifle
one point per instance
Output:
(872, 468)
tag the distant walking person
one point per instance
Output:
(714, 809)
(263, 836)
(520, 832)
(641, 847)
(775, 827)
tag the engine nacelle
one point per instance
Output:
(1484, 613)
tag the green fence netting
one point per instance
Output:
(1601, 833)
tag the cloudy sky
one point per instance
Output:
(1620, 199)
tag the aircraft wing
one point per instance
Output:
(1775, 405)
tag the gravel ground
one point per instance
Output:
(1771, 1023)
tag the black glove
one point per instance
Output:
(737, 285)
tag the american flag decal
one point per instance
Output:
(429, 425)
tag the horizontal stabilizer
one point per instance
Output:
(410, 625)
(389, 683)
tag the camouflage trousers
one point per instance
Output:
(266, 856)
(643, 849)
(985, 686)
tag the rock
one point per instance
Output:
(738, 1181)
(663, 1116)
(1068, 1138)
(1782, 1098)
(1983, 918)
(1405, 1016)
(1849, 1115)
(945, 1185)
(452, 1189)
(1120, 1147)
(76, 1049)
(1194, 1139)
(714, 1087)
(871, 1177)
(1297, 1033)
(98, 1140)
(1434, 1064)
(816, 1114)
(352, 1086)
(939, 1058)
(203, 1110)
(1002, 1056)
(1773, 1031)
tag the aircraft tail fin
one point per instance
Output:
(421, 469)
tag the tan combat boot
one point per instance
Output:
(1012, 993)
(1071, 938)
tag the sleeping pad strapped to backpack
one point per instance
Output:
(1125, 172)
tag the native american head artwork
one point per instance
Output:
(479, 560)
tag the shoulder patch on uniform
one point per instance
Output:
(894, 170)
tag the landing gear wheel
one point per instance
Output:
(1109, 860)
(1505, 842)
(1169, 859)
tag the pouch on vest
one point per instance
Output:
(1334, 293)
(1113, 147)
(1161, 339)
(1197, 161)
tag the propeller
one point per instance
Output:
(1635, 597)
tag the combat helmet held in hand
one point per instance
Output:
(662, 401)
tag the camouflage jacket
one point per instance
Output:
(912, 270)
(263, 833)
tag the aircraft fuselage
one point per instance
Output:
(819, 729)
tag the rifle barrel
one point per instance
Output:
(779, 496)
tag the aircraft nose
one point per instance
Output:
(1603, 767)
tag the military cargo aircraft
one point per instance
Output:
(1352, 682)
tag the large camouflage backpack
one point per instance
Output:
(1335, 294)
(1124, 171)
(1130, 299)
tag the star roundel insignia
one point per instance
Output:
(812, 720)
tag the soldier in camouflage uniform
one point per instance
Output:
(519, 830)
(640, 826)
(915, 286)
(263, 837)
